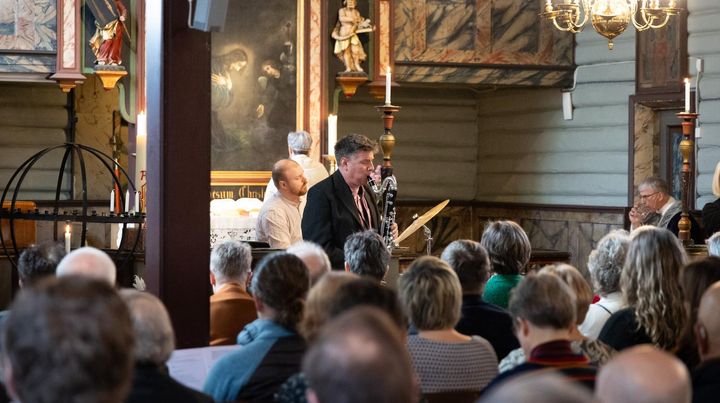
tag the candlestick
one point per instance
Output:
(332, 133)
(127, 201)
(67, 238)
(388, 81)
(687, 95)
(112, 201)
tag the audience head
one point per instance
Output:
(366, 255)
(68, 339)
(507, 245)
(314, 257)
(230, 262)
(651, 284)
(707, 328)
(318, 304)
(39, 261)
(289, 178)
(366, 292)
(606, 261)
(470, 262)
(88, 262)
(299, 142)
(643, 374)
(154, 336)
(280, 283)
(543, 387)
(431, 294)
(359, 358)
(580, 288)
(713, 244)
(695, 278)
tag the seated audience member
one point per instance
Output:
(713, 244)
(643, 374)
(470, 262)
(68, 340)
(665, 211)
(596, 351)
(444, 359)
(360, 358)
(272, 349)
(88, 262)
(314, 257)
(278, 222)
(154, 342)
(335, 294)
(539, 388)
(38, 261)
(706, 376)
(366, 255)
(231, 307)
(605, 264)
(695, 278)
(711, 211)
(651, 286)
(543, 308)
(509, 250)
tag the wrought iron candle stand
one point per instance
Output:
(84, 216)
(687, 148)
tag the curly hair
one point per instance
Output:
(651, 284)
(606, 261)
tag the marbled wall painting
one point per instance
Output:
(28, 36)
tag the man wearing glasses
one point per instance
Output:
(659, 209)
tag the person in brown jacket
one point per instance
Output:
(231, 307)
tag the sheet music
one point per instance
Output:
(191, 366)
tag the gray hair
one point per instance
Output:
(299, 142)
(314, 257)
(470, 262)
(508, 246)
(606, 261)
(656, 184)
(230, 261)
(88, 262)
(366, 254)
(713, 244)
(154, 337)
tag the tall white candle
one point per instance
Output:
(137, 202)
(140, 152)
(112, 201)
(127, 201)
(388, 81)
(67, 238)
(687, 95)
(332, 133)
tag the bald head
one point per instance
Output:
(88, 262)
(280, 168)
(707, 328)
(643, 374)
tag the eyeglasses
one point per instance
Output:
(643, 197)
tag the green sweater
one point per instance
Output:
(497, 289)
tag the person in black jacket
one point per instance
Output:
(706, 377)
(711, 211)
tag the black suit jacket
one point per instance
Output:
(331, 216)
(152, 385)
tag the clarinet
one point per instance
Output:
(386, 192)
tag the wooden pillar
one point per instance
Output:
(178, 224)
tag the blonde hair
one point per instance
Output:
(577, 283)
(317, 306)
(716, 180)
(651, 284)
(431, 294)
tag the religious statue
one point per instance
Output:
(106, 44)
(348, 47)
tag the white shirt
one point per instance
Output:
(599, 313)
(314, 172)
(279, 222)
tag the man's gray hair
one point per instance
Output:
(154, 336)
(656, 184)
(367, 255)
(230, 261)
(88, 262)
(299, 142)
(606, 261)
(713, 244)
(314, 257)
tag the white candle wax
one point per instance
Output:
(127, 200)
(67, 239)
(687, 95)
(388, 81)
(137, 202)
(140, 152)
(112, 201)
(332, 133)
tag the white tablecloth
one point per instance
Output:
(239, 228)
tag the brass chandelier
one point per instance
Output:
(610, 18)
